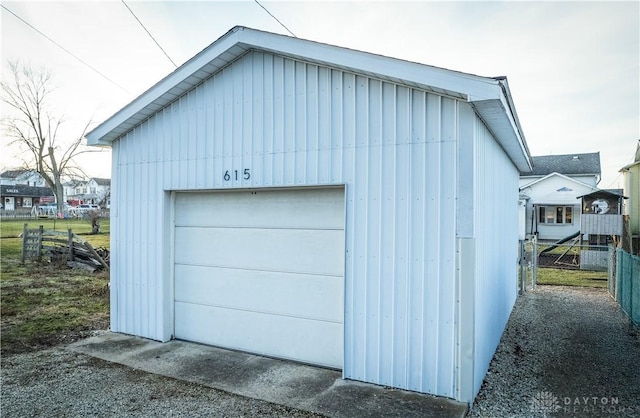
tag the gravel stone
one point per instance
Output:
(58, 382)
(566, 352)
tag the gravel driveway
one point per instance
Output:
(566, 352)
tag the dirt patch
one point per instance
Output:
(43, 306)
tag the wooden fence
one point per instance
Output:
(61, 247)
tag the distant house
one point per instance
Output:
(22, 177)
(94, 190)
(72, 189)
(99, 191)
(549, 194)
(17, 197)
(631, 206)
(23, 189)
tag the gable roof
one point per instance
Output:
(568, 164)
(101, 182)
(636, 159)
(548, 176)
(490, 97)
(29, 191)
(608, 192)
(12, 174)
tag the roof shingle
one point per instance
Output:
(567, 164)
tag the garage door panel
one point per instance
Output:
(262, 271)
(310, 251)
(317, 342)
(306, 296)
(275, 209)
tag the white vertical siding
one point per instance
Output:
(496, 232)
(294, 124)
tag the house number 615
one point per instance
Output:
(246, 175)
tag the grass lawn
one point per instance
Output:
(45, 304)
(562, 277)
(13, 229)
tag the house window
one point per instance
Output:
(561, 215)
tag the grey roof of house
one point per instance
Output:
(12, 174)
(28, 191)
(102, 182)
(567, 164)
(619, 192)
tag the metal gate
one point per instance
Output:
(555, 260)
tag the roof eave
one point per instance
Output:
(490, 97)
(499, 115)
(240, 40)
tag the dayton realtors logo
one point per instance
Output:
(546, 404)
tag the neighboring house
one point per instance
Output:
(631, 206)
(22, 177)
(21, 197)
(550, 193)
(319, 204)
(72, 190)
(92, 191)
(99, 192)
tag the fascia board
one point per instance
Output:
(467, 86)
(95, 137)
(471, 86)
(627, 167)
(497, 119)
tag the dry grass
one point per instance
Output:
(44, 304)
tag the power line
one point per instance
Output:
(281, 24)
(65, 50)
(149, 33)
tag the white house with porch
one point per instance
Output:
(549, 195)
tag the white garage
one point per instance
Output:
(319, 204)
(267, 262)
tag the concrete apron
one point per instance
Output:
(296, 385)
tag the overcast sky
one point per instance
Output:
(573, 67)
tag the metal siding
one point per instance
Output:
(496, 220)
(294, 123)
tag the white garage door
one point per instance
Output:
(262, 271)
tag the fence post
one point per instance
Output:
(522, 260)
(39, 252)
(534, 261)
(25, 236)
(618, 271)
(611, 272)
(70, 257)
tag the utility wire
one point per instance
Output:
(281, 24)
(149, 33)
(65, 49)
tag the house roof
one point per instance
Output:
(101, 181)
(490, 97)
(28, 191)
(636, 159)
(568, 164)
(611, 192)
(12, 174)
(548, 176)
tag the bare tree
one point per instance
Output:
(35, 127)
